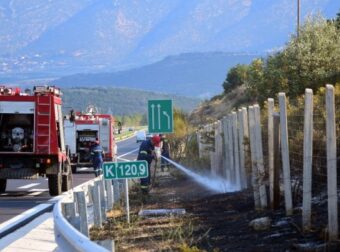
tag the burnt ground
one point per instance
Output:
(213, 222)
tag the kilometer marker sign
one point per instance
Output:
(125, 170)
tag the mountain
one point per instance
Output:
(66, 37)
(190, 74)
(119, 101)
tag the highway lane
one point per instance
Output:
(22, 195)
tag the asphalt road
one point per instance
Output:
(22, 195)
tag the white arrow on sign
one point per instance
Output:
(153, 115)
(159, 115)
(168, 117)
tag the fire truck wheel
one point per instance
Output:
(3, 183)
(66, 183)
(54, 184)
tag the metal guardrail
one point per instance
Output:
(72, 229)
(69, 238)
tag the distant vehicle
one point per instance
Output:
(130, 129)
(140, 136)
(32, 142)
(149, 135)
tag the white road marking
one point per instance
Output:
(34, 194)
(28, 186)
(38, 190)
(83, 169)
(127, 160)
(125, 154)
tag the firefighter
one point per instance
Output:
(147, 153)
(97, 154)
(165, 151)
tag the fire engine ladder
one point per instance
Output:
(43, 124)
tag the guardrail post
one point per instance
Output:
(116, 192)
(97, 214)
(285, 154)
(82, 210)
(331, 164)
(69, 211)
(100, 184)
(109, 194)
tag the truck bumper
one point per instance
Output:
(22, 173)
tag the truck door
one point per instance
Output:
(104, 135)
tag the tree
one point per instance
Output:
(236, 76)
(314, 57)
(337, 20)
(255, 79)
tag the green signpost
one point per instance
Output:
(125, 170)
(160, 116)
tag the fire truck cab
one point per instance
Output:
(82, 129)
(32, 140)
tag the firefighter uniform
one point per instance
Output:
(97, 154)
(146, 153)
(165, 152)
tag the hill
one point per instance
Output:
(65, 37)
(190, 74)
(118, 101)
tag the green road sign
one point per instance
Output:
(123, 170)
(160, 116)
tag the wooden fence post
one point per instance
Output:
(230, 150)
(277, 161)
(213, 153)
(271, 148)
(199, 144)
(259, 157)
(82, 210)
(253, 158)
(331, 164)
(247, 158)
(241, 148)
(307, 160)
(285, 154)
(226, 149)
(219, 148)
(236, 151)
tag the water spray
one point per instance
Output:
(215, 184)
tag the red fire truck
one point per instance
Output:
(82, 129)
(32, 138)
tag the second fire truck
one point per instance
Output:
(82, 129)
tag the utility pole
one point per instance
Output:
(298, 18)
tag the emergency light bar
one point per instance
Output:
(9, 91)
(47, 89)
